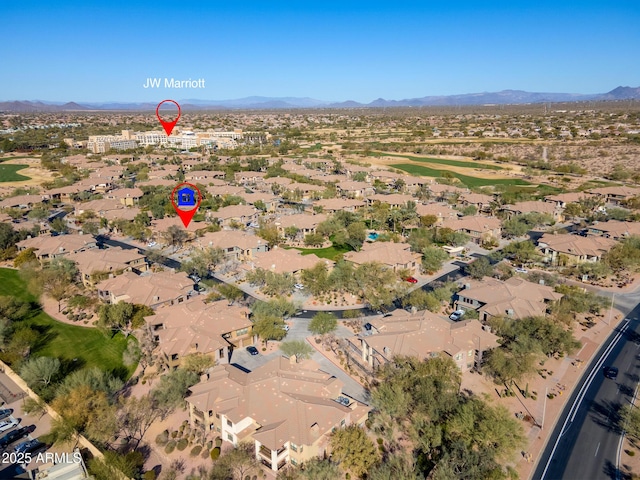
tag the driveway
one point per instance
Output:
(299, 330)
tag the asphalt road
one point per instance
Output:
(585, 442)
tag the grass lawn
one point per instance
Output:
(443, 161)
(466, 179)
(89, 346)
(330, 253)
(8, 173)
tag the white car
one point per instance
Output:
(522, 270)
(7, 424)
(298, 286)
(151, 244)
(457, 315)
(285, 327)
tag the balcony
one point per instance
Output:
(198, 413)
(265, 452)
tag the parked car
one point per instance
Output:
(5, 412)
(522, 270)
(411, 280)
(16, 434)
(298, 286)
(611, 372)
(285, 327)
(7, 424)
(29, 446)
(152, 244)
(252, 350)
(457, 315)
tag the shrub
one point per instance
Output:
(149, 475)
(218, 441)
(182, 444)
(205, 453)
(171, 446)
(162, 438)
(215, 453)
(195, 451)
(631, 453)
(174, 434)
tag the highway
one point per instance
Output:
(585, 442)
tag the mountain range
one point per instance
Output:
(504, 97)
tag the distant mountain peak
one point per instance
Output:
(257, 102)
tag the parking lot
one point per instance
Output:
(27, 427)
(299, 330)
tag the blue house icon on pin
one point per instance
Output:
(186, 197)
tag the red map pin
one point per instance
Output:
(186, 199)
(168, 126)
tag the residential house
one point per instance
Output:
(235, 244)
(562, 199)
(307, 190)
(479, 200)
(287, 410)
(269, 200)
(568, 249)
(441, 211)
(615, 229)
(480, 229)
(246, 178)
(126, 196)
(423, 335)
(153, 290)
(446, 193)
(353, 189)
(281, 260)
(332, 205)
(48, 247)
(203, 176)
(22, 202)
(534, 206)
(96, 264)
(305, 223)
(394, 200)
(514, 298)
(234, 215)
(396, 256)
(196, 327)
(616, 195)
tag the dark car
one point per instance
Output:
(5, 412)
(611, 372)
(252, 350)
(29, 446)
(14, 435)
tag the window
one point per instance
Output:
(342, 423)
(217, 415)
(293, 447)
(221, 353)
(242, 331)
(470, 353)
(230, 437)
(230, 423)
(293, 461)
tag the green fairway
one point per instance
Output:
(88, 345)
(466, 179)
(443, 161)
(8, 173)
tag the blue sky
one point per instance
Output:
(350, 50)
